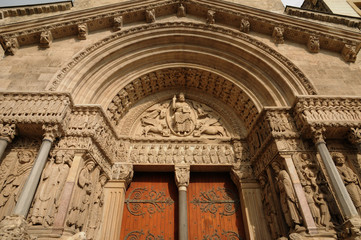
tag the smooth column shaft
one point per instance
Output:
(183, 220)
(342, 195)
(28, 192)
(3, 145)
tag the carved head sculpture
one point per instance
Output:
(338, 158)
(103, 179)
(25, 156)
(276, 167)
(308, 189)
(90, 165)
(262, 180)
(59, 157)
(181, 97)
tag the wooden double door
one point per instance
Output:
(151, 208)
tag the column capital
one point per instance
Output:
(51, 131)
(122, 171)
(7, 131)
(354, 135)
(318, 134)
(182, 175)
(242, 173)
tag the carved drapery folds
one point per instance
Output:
(7, 131)
(122, 172)
(182, 174)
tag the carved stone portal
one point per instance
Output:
(180, 118)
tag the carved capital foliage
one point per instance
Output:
(241, 172)
(318, 134)
(14, 227)
(51, 131)
(355, 135)
(182, 174)
(7, 131)
(122, 172)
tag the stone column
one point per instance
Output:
(114, 196)
(28, 192)
(7, 134)
(251, 203)
(182, 173)
(343, 198)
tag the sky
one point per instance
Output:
(8, 3)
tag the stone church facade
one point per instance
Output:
(99, 99)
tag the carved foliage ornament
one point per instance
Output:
(182, 174)
(355, 135)
(7, 131)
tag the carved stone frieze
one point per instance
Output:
(211, 17)
(123, 172)
(82, 31)
(245, 25)
(118, 23)
(277, 35)
(7, 131)
(182, 174)
(313, 44)
(188, 78)
(150, 15)
(349, 53)
(46, 39)
(182, 154)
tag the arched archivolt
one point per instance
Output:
(246, 66)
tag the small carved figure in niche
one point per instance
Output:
(96, 208)
(81, 200)
(152, 153)
(188, 154)
(14, 182)
(46, 38)
(197, 154)
(134, 155)
(315, 211)
(229, 154)
(287, 197)
(269, 208)
(118, 23)
(182, 120)
(245, 26)
(142, 154)
(82, 31)
(181, 11)
(150, 15)
(205, 155)
(278, 35)
(350, 180)
(52, 182)
(210, 17)
(169, 154)
(213, 154)
(313, 44)
(221, 155)
(161, 155)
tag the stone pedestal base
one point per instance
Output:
(14, 228)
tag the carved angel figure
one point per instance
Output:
(51, 184)
(78, 211)
(350, 180)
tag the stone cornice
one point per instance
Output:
(296, 30)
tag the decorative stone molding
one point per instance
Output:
(211, 17)
(181, 12)
(118, 23)
(150, 15)
(324, 17)
(46, 39)
(313, 44)
(122, 172)
(10, 45)
(182, 175)
(14, 227)
(37, 9)
(277, 35)
(7, 132)
(82, 31)
(51, 131)
(349, 53)
(245, 25)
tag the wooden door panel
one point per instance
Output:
(213, 208)
(150, 209)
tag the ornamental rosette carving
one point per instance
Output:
(122, 172)
(182, 174)
(7, 131)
